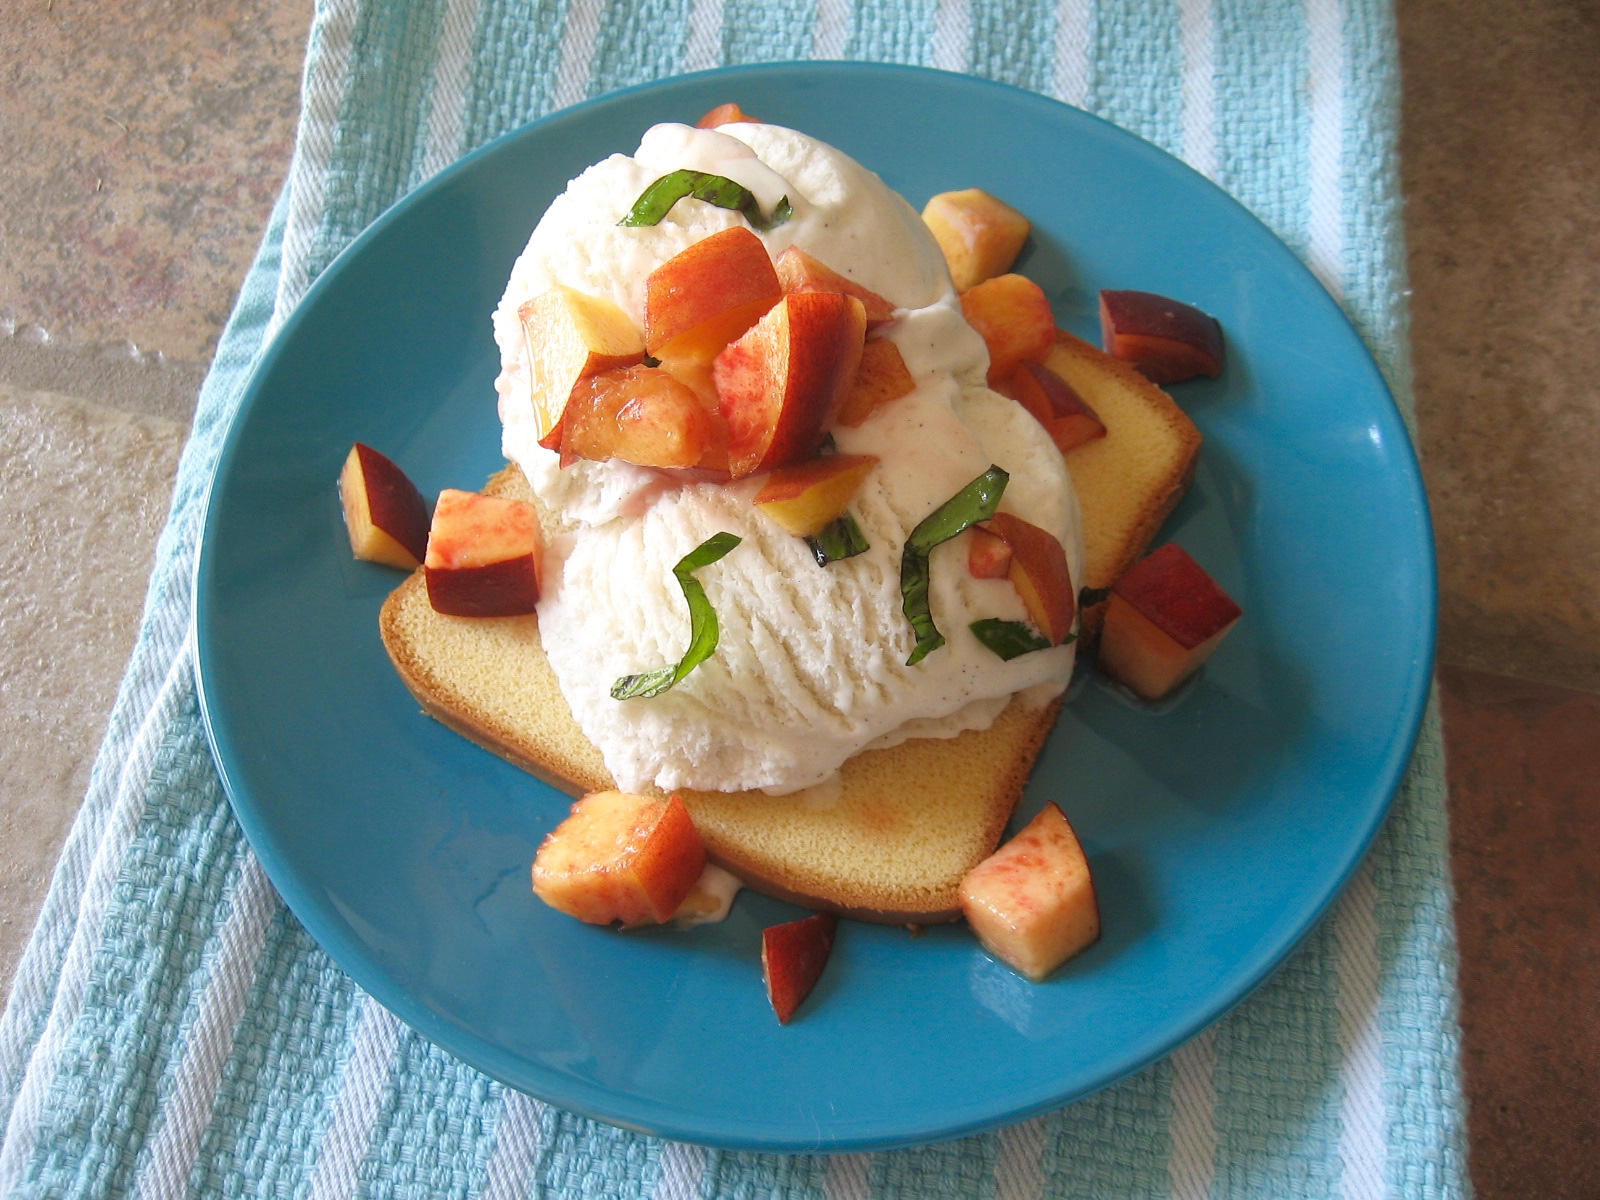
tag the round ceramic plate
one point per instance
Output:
(1219, 827)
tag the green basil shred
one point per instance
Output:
(703, 632)
(841, 538)
(973, 503)
(1011, 639)
(656, 201)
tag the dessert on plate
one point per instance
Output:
(740, 337)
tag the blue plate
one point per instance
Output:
(1219, 828)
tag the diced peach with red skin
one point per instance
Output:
(800, 272)
(793, 956)
(620, 857)
(881, 378)
(1166, 340)
(781, 385)
(723, 114)
(570, 336)
(484, 556)
(1032, 399)
(988, 554)
(704, 297)
(1070, 421)
(806, 497)
(1012, 315)
(385, 515)
(979, 235)
(1165, 618)
(640, 415)
(1032, 902)
(1039, 572)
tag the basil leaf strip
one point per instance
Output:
(973, 503)
(656, 201)
(703, 632)
(1011, 639)
(838, 539)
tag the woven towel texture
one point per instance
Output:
(174, 1032)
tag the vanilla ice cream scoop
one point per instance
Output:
(811, 664)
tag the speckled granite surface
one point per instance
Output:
(144, 144)
(145, 141)
(69, 614)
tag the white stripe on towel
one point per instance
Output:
(848, 1177)
(187, 1109)
(952, 36)
(313, 154)
(1193, 1164)
(703, 48)
(355, 1109)
(447, 102)
(127, 807)
(577, 53)
(1362, 1145)
(516, 1148)
(1018, 1164)
(1198, 32)
(1325, 60)
(682, 1166)
(831, 34)
(1071, 68)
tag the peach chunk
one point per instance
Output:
(723, 114)
(1165, 618)
(620, 857)
(782, 383)
(1032, 902)
(484, 556)
(384, 514)
(1067, 418)
(704, 297)
(806, 497)
(988, 554)
(570, 336)
(800, 272)
(1012, 315)
(793, 956)
(979, 235)
(882, 377)
(1167, 340)
(640, 415)
(1038, 570)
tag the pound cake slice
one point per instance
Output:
(1130, 480)
(887, 840)
(891, 836)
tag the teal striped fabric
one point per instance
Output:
(174, 1032)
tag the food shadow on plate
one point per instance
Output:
(1128, 916)
(1234, 723)
(594, 978)
(1046, 261)
(1194, 744)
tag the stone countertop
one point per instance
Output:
(145, 143)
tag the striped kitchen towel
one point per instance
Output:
(174, 1032)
